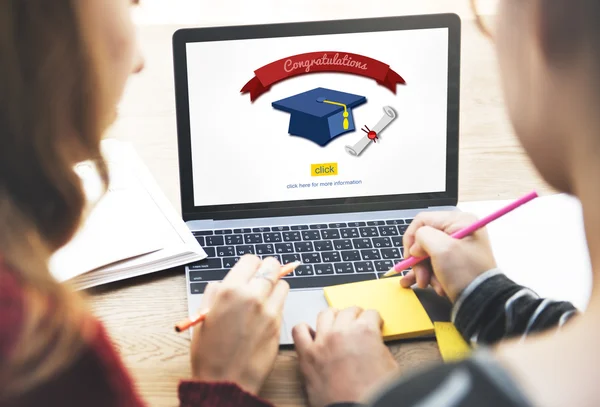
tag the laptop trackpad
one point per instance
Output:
(301, 306)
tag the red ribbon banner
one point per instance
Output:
(324, 61)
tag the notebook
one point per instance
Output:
(402, 313)
(132, 230)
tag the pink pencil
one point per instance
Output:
(411, 261)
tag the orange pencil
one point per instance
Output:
(188, 323)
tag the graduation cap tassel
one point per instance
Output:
(346, 124)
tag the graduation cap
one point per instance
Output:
(320, 114)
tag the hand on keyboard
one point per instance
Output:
(239, 339)
(454, 263)
(345, 358)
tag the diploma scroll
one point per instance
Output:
(388, 117)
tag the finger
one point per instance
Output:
(446, 221)
(372, 318)
(208, 298)
(265, 278)
(437, 286)
(276, 300)
(302, 338)
(409, 279)
(422, 275)
(347, 316)
(433, 241)
(325, 320)
(243, 270)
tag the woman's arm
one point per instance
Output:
(493, 307)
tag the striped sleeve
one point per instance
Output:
(493, 308)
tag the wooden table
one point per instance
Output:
(140, 313)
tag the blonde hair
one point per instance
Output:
(51, 101)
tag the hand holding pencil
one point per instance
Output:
(455, 247)
(239, 337)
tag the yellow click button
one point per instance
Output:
(325, 169)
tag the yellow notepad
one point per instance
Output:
(451, 343)
(402, 312)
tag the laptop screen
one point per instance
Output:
(318, 117)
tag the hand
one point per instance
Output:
(239, 339)
(345, 359)
(453, 263)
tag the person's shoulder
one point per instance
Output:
(11, 308)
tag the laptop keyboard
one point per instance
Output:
(331, 254)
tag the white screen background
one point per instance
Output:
(242, 153)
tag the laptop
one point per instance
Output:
(315, 141)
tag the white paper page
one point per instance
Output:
(542, 245)
(122, 225)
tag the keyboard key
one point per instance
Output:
(198, 288)
(390, 254)
(362, 243)
(223, 251)
(350, 255)
(244, 249)
(330, 257)
(205, 264)
(303, 247)
(264, 249)
(311, 235)
(280, 228)
(356, 224)
(388, 231)
(253, 238)
(384, 265)
(364, 267)
(394, 222)
(370, 254)
(291, 236)
(229, 262)
(244, 230)
(210, 251)
(300, 227)
(402, 228)
(326, 281)
(318, 226)
(381, 242)
(323, 245)
(344, 244)
(397, 241)
(322, 269)
(309, 258)
(272, 237)
(304, 270)
(330, 234)
(368, 232)
(223, 232)
(337, 225)
(408, 221)
(215, 241)
(349, 233)
(290, 258)
(208, 275)
(343, 268)
(200, 240)
(261, 230)
(284, 248)
(375, 223)
(202, 232)
(234, 239)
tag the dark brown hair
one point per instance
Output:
(50, 119)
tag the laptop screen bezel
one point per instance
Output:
(449, 197)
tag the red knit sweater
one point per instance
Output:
(98, 376)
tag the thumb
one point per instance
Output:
(430, 241)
